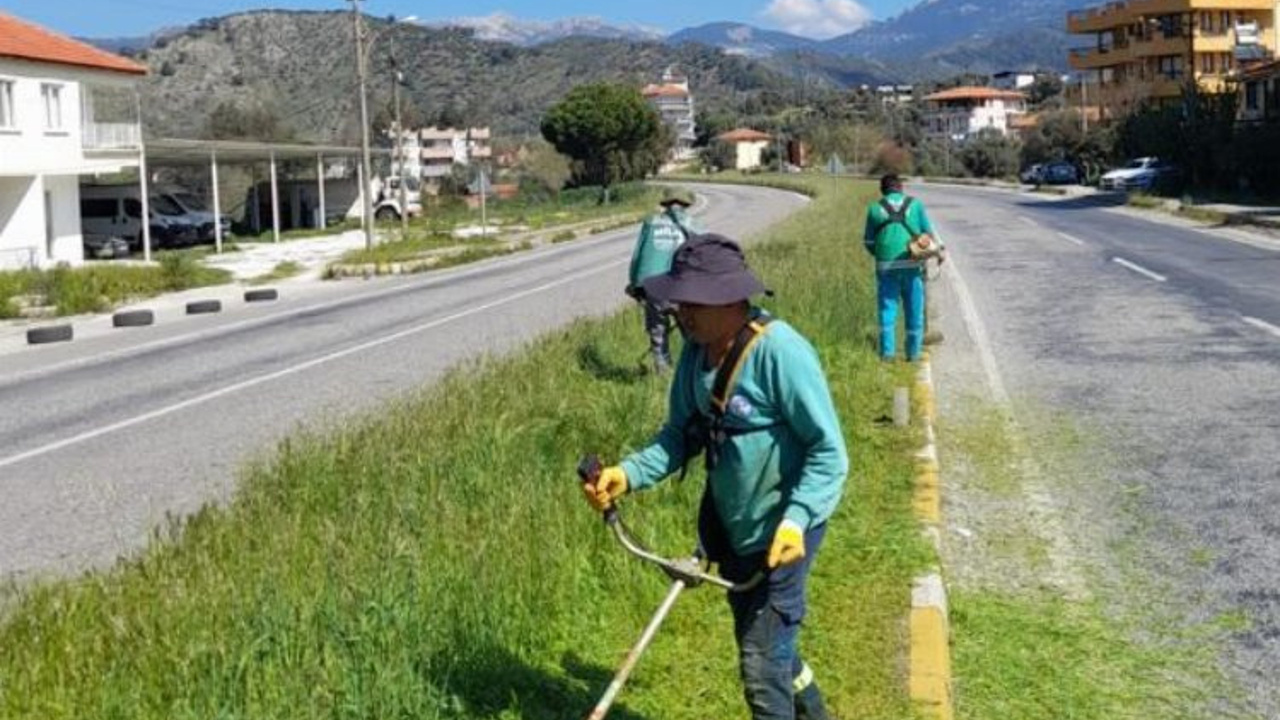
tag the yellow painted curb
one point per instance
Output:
(930, 683)
(928, 497)
(929, 664)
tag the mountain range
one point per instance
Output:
(932, 39)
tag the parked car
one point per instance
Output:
(1144, 173)
(1058, 172)
(105, 247)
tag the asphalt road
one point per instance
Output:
(101, 439)
(1164, 342)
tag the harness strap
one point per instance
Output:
(675, 219)
(731, 365)
(896, 215)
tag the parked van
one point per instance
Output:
(197, 212)
(116, 211)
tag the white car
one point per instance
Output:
(1139, 174)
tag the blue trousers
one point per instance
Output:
(777, 683)
(906, 287)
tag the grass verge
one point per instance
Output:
(436, 560)
(99, 288)
(1113, 644)
(282, 271)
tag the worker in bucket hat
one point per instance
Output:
(750, 395)
(660, 236)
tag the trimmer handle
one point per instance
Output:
(589, 469)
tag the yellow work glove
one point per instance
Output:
(788, 544)
(611, 485)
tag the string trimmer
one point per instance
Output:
(687, 573)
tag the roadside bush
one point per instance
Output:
(989, 154)
(891, 157)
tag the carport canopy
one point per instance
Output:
(181, 151)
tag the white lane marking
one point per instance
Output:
(1029, 221)
(293, 370)
(1071, 239)
(981, 339)
(1139, 269)
(1262, 325)
(228, 328)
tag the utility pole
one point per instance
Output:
(367, 182)
(1084, 106)
(396, 79)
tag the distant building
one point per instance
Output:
(1013, 80)
(67, 109)
(442, 148)
(1143, 50)
(674, 103)
(748, 146)
(895, 94)
(957, 113)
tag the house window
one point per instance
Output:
(6, 104)
(51, 95)
(1251, 96)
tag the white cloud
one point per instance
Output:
(818, 18)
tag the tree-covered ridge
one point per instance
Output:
(300, 68)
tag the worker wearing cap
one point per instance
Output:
(775, 455)
(660, 236)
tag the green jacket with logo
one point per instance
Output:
(889, 244)
(660, 237)
(790, 463)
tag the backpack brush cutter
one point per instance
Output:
(686, 573)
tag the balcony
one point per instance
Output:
(1094, 58)
(438, 152)
(110, 136)
(1116, 14)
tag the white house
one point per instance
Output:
(674, 104)
(66, 109)
(748, 146)
(959, 112)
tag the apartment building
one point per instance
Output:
(442, 148)
(67, 109)
(1151, 50)
(674, 103)
(956, 113)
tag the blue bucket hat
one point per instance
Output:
(708, 269)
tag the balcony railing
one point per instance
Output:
(111, 136)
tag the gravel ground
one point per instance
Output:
(1139, 405)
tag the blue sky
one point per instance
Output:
(815, 18)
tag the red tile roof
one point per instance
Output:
(25, 41)
(664, 91)
(744, 135)
(975, 93)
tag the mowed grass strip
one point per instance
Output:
(436, 560)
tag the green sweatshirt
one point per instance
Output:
(660, 237)
(794, 466)
(889, 246)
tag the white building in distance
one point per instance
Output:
(674, 103)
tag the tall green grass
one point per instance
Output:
(98, 288)
(436, 559)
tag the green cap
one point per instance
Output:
(676, 195)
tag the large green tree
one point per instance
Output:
(609, 130)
